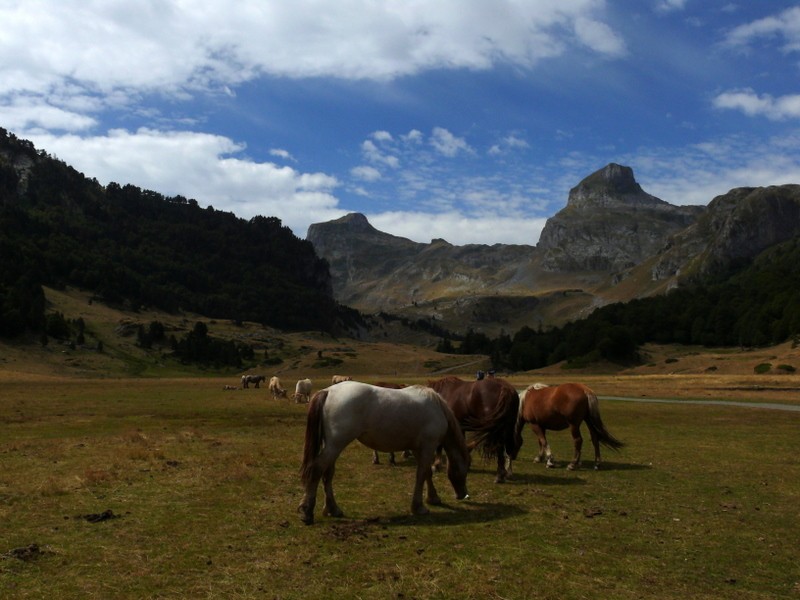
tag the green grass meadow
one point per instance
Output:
(202, 486)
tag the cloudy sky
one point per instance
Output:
(468, 120)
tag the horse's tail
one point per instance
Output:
(594, 421)
(494, 431)
(314, 433)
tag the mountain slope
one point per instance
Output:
(612, 242)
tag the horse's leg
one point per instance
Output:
(376, 460)
(330, 509)
(437, 462)
(544, 447)
(391, 459)
(309, 501)
(501, 467)
(424, 476)
(577, 441)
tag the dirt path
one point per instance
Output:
(768, 405)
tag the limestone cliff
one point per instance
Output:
(610, 224)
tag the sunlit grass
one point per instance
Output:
(203, 486)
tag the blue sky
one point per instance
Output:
(458, 119)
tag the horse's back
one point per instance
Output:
(387, 420)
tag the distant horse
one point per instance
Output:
(340, 378)
(488, 408)
(275, 388)
(558, 407)
(302, 390)
(254, 379)
(386, 420)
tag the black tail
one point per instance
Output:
(492, 433)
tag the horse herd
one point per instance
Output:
(302, 390)
(450, 415)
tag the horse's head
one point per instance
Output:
(457, 474)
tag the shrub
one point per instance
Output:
(762, 368)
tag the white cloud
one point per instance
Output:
(365, 173)
(698, 173)
(752, 104)
(414, 136)
(447, 144)
(284, 154)
(22, 113)
(458, 228)
(172, 47)
(785, 25)
(670, 5)
(200, 166)
(382, 136)
(375, 155)
(599, 37)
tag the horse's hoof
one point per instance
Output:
(333, 513)
(305, 516)
(421, 510)
(435, 501)
(499, 479)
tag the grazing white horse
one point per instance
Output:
(383, 419)
(302, 391)
(275, 388)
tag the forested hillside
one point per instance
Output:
(757, 306)
(136, 247)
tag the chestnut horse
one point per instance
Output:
(561, 406)
(488, 408)
(382, 419)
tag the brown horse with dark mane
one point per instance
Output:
(561, 406)
(487, 408)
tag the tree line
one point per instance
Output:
(134, 247)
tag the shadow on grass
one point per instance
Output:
(544, 479)
(451, 514)
(447, 514)
(589, 467)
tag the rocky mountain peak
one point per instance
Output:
(609, 224)
(613, 186)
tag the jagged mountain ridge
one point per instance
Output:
(612, 242)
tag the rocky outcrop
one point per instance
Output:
(735, 228)
(610, 224)
(374, 271)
